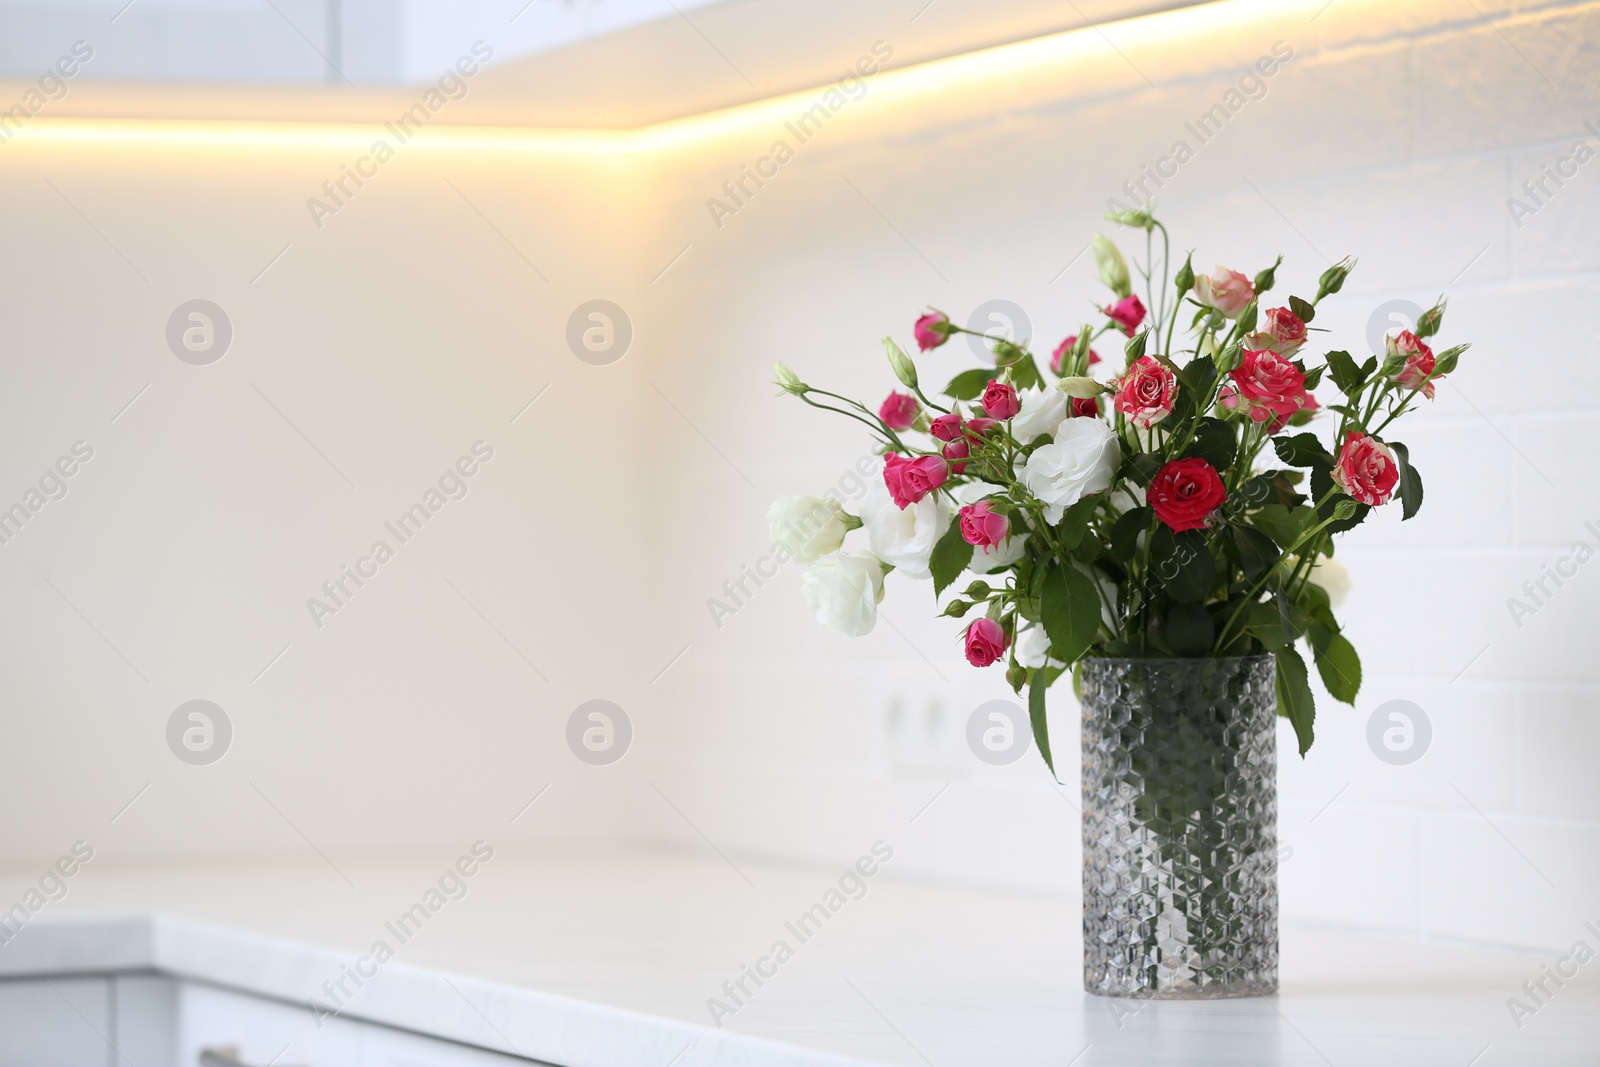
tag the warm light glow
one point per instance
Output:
(1057, 51)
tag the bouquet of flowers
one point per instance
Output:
(1175, 508)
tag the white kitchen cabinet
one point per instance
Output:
(55, 1022)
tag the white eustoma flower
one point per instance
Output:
(904, 538)
(1334, 579)
(1041, 413)
(1033, 648)
(1004, 554)
(844, 589)
(1081, 460)
(808, 527)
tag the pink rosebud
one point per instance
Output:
(909, 480)
(986, 642)
(1146, 392)
(946, 427)
(899, 411)
(1064, 348)
(979, 427)
(1000, 401)
(1267, 387)
(1084, 407)
(957, 452)
(982, 526)
(932, 330)
(1127, 313)
(1226, 290)
(1419, 362)
(1366, 469)
(1282, 331)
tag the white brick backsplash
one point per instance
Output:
(1558, 743)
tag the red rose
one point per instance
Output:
(1064, 348)
(1146, 392)
(932, 330)
(982, 526)
(1185, 492)
(909, 480)
(957, 452)
(986, 642)
(1000, 401)
(946, 427)
(899, 411)
(1367, 469)
(1267, 386)
(1419, 362)
(1127, 313)
(1282, 330)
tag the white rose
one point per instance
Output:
(1334, 579)
(904, 538)
(807, 526)
(1081, 461)
(1041, 413)
(1004, 554)
(844, 589)
(1033, 648)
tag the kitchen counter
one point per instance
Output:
(628, 958)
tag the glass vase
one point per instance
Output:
(1180, 828)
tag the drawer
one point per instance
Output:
(386, 1047)
(257, 1032)
(62, 1022)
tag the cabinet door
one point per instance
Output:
(56, 1022)
(386, 1047)
(231, 1029)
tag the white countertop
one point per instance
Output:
(609, 958)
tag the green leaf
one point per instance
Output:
(1143, 467)
(1321, 483)
(1304, 310)
(1337, 662)
(1214, 442)
(1070, 608)
(1295, 702)
(1190, 630)
(1301, 450)
(1183, 564)
(1410, 485)
(1037, 686)
(1075, 522)
(950, 557)
(1282, 524)
(1262, 623)
(1125, 534)
(1025, 374)
(1346, 375)
(969, 384)
(1256, 551)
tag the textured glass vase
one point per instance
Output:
(1180, 828)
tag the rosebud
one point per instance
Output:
(1185, 279)
(1138, 219)
(1230, 358)
(1136, 345)
(1332, 279)
(788, 381)
(1113, 270)
(932, 330)
(1344, 509)
(1431, 320)
(900, 363)
(1082, 388)
(1447, 360)
(1267, 278)
(1247, 318)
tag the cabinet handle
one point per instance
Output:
(223, 1056)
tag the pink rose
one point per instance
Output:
(1226, 290)
(1282, 331)
(1066, 347)
(957, 452)
(1419, 362)
(899, 411)
(1000, 401)
(1367, 469)
(986, 642)
(1084, 407)
(1127, 313)
(1146, 392)
(1267, 387)
(946, 427)
(982, 526)
(932, 330)
(909, 480)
